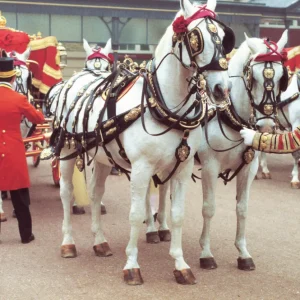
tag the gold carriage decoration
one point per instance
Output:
(47, 56)
(45, 62)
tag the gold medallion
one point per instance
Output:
(223, 63)
(97, 64)
(194, 41)
(249, 155)
(183, 153)
(268, 109)
(212, 28)
(269, 73)
(18, 73)
(79, 164)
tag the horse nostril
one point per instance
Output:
(218, 91)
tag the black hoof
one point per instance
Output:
(152, 237)
(246, 264)
(78, 210)
(208, 263)
(164, 235)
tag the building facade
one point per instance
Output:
(136, 26)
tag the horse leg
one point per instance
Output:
(244, 181)
(139, 187)
(295, 184)
(152, 234)
(209, 181)
(2, 214)
(264, 165)
(163, 231)
(68, 249)
(96, 191)
(182, 272)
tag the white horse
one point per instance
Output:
(214, 162)
(20, 85)
(292, 90)
(148, 154)
(98, 60)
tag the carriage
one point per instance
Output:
(46, 59)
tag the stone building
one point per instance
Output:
(136, 26)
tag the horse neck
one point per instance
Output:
(171, 75)
(25, 75)
(292, 110)
(238, 93)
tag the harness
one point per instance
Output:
(152, 100)
(269, 104)
(227, 114)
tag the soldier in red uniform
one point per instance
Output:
(14, 175)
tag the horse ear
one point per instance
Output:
(211, 4)
(87, 47)
(26, 53)
(187, 7)
(251, 44)
(283, 40)
(108, 48)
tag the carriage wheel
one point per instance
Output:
(36, 158)
(55, 171)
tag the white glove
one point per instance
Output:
(248, 136)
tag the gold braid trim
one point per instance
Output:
(43, 43)
(7, 74)
(277, 143)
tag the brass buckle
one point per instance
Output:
(189, 126)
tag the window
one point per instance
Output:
(94, 30)
(66, 28)
(33, 23)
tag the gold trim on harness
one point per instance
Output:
(133, 114)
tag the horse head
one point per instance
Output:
(203, 42)
(98, 58)
(266, 78)
(22, 83)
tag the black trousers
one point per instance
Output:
(21, 201)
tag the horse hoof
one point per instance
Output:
(68, 251)
(184, 276)
(133, 276)
(208, 263)
(3, 217)
(152, 237)
(295, 185)
(266, 175)
(78, 210)
(164, 235)
(102, 250)
(103, 209)
(246, 264)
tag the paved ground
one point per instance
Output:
(36, 271)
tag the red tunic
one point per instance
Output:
(13, 166)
